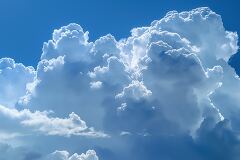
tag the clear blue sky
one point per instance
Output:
(26, 24)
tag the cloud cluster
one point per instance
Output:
(13, 80)
(164, 92)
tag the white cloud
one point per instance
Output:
(135, 90)
(69, 40)
(96, 85)
(13, 80)
(167, 87)
(44, 123)
(64, 155)
(197, 26)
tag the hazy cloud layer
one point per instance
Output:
(165, 92)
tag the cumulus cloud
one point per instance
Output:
(164, 92)
(69, 40)
(14, 78)
(64, 155)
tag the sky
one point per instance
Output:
(27, 23)
(104, 80)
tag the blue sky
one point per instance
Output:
(26, 24)
(160, 86)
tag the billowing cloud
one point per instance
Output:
(164, 92)
(14, 78)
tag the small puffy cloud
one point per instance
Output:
(95, 85)
(64, 155)
(135, 90)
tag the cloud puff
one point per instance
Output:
(197, 26)
(164, 92)
(69, 40)
(14, 78)
(64, 155)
